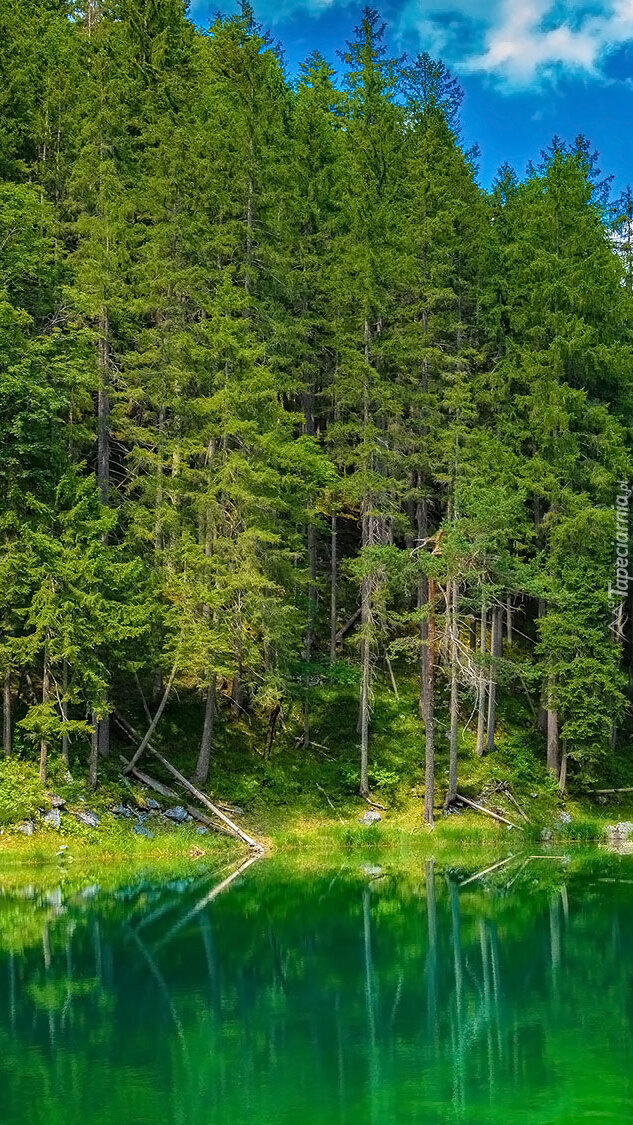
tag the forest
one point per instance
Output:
(291, 404)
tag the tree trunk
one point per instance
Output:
(481, 700)
(495, 652)
(46, 685)
(270, 734)
(103, 409)
(6, 714)
(154, 723)
(65, 741)
(542, 711)
(333, 591)
(552, 742)
(429, 715)
(201, 772)
(472, 633)
(423, 599)
(454, 706)
(509, 620)
(94, 753)
(562, 781)
(103, 736)
(365, 688)
(309, 642)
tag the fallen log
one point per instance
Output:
(627, 789)
(517, 806)
(488, 812)
(165, 791)
(186, 784)
(349, 624)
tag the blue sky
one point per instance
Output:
(529, 68)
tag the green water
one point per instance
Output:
(337, 993)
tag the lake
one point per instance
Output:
(352, 989)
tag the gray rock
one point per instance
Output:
(546, 834)
(56, 801)
(178, 814)
(150, 803)
(122, 810)
(601, 799)
(53, 818)
(564, 818)
(370, 817)
(620, 831)
(201, 830)
(141, 830)
(27, 828)
(88, 817)
(369, 869)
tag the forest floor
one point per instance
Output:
(307, 798)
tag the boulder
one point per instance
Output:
(88, 817)
(123, 811)
(370, 817)
(178, 814)
(53, 818)
(56, 801)
(27, 828)
(564, 818)
(546, 835)
(151, 804)
(201, 830)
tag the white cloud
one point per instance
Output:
(522, 41)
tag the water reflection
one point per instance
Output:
(276, 994)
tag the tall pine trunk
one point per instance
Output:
(6, 714)
(201, 772)
(553, 762)
(333, 585)
(481, 691)
(65, 743)
(454, 704)
(46, 687)
(495, 652)
(94, 753)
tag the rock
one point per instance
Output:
(178, 814)
(88, 817)
(151, 804)
(546, 834)
(201, 830)
(620, 831)
(56, 801)
(53, 818)
(369, 869)
(564, 818)
(122, 810)
(141, 830)
(370, 817)
(601, 799)
(27, 828)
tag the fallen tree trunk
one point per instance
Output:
(488, 812)
(627, 789)
(165, 791)
(155, 721)
(186, 784)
